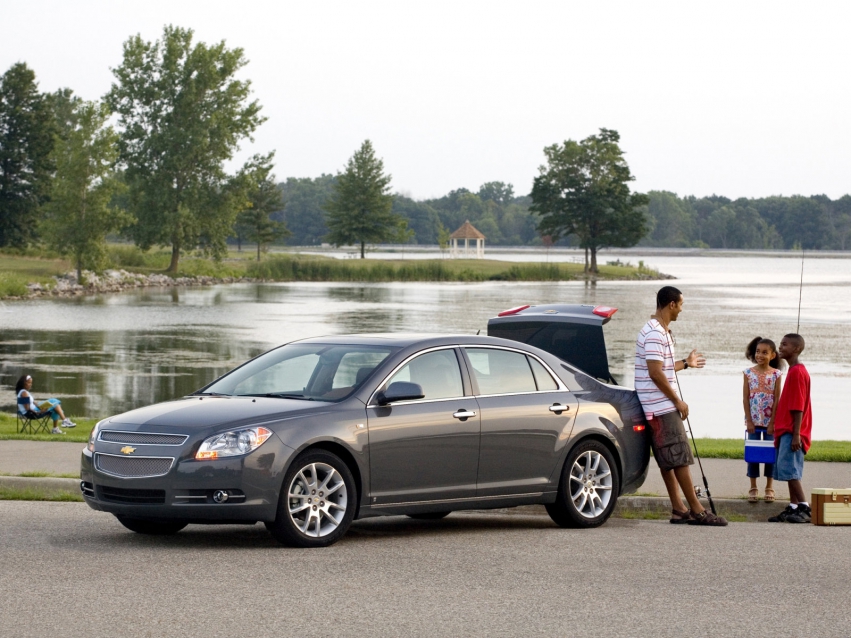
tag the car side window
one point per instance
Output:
(501, 371)
(543, 378)
(437, 372)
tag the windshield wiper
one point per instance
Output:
(209, 394)
(279, 395)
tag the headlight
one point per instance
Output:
(93, 435)
(232, 443)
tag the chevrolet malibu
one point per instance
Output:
(317, 433)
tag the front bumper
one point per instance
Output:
(186, 492)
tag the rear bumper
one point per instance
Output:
(186, 493)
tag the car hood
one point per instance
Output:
(208, 411)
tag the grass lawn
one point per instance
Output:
(17, 271)
(831, 451)
(36, 494)
(80, 434)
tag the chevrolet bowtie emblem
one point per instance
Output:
(128, 450)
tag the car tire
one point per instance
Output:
(151, 527)
(317, 502)
(588, 489)
(429, 516)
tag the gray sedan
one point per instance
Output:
(316, 433)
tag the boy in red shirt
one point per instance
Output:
(793, 426)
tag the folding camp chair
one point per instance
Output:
(33, 422)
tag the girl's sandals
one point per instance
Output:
(679, 518)
(769, 495)
(753, 495)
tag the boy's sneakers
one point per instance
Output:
(56, 431)
(68, 423)
(801, 515)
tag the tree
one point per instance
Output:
(304, 208)
(265, 198)
(79, 214)
(498, 192)
(27, 128)
(420, 217)
(443, 237)
(672, 221)
(361, 209)
(584, 192)
(183, 114)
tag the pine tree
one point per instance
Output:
(27, 129)
(361, 209)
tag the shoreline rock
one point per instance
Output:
(121, 280)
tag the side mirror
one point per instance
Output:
(400, 391)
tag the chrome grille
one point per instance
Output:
(133, 466)
(142, 438)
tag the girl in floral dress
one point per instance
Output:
(761, 392)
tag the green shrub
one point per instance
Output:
(12, 285)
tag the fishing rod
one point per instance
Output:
(800, 293)
(691, 434)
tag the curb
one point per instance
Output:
(657, 507)
(41, 484)
(635, 507)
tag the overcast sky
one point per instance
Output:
(743, 99)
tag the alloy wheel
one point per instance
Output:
(317, 500)
(590, 484)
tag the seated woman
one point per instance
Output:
(28, 404)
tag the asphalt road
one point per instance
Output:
(68, 571)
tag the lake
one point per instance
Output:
(105, 354)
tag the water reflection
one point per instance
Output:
(106, 354)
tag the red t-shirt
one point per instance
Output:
(795, 396)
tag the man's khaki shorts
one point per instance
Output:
(671, 448)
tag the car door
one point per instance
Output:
(526, 417)
(425, 449)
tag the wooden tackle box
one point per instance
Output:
(831, 506)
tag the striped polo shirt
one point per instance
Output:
(655, 344)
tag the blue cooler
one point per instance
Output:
(759, 451)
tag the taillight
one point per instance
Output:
(638, 428)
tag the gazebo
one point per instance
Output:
(468, 232)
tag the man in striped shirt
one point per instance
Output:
(656, 385)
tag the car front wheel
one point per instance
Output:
(317, 503)
(588, 490)
(155, 528)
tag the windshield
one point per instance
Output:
(321, 372)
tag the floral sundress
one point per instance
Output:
(761, 395)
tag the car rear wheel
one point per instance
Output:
(317, 503)
(588, 490)
(429, 516)
(147, 526)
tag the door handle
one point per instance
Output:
(558, 408)
(463, 415)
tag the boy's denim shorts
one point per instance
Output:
(789, 465)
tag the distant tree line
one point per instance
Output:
(813, 222)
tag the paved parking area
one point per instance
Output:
(70, 571)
